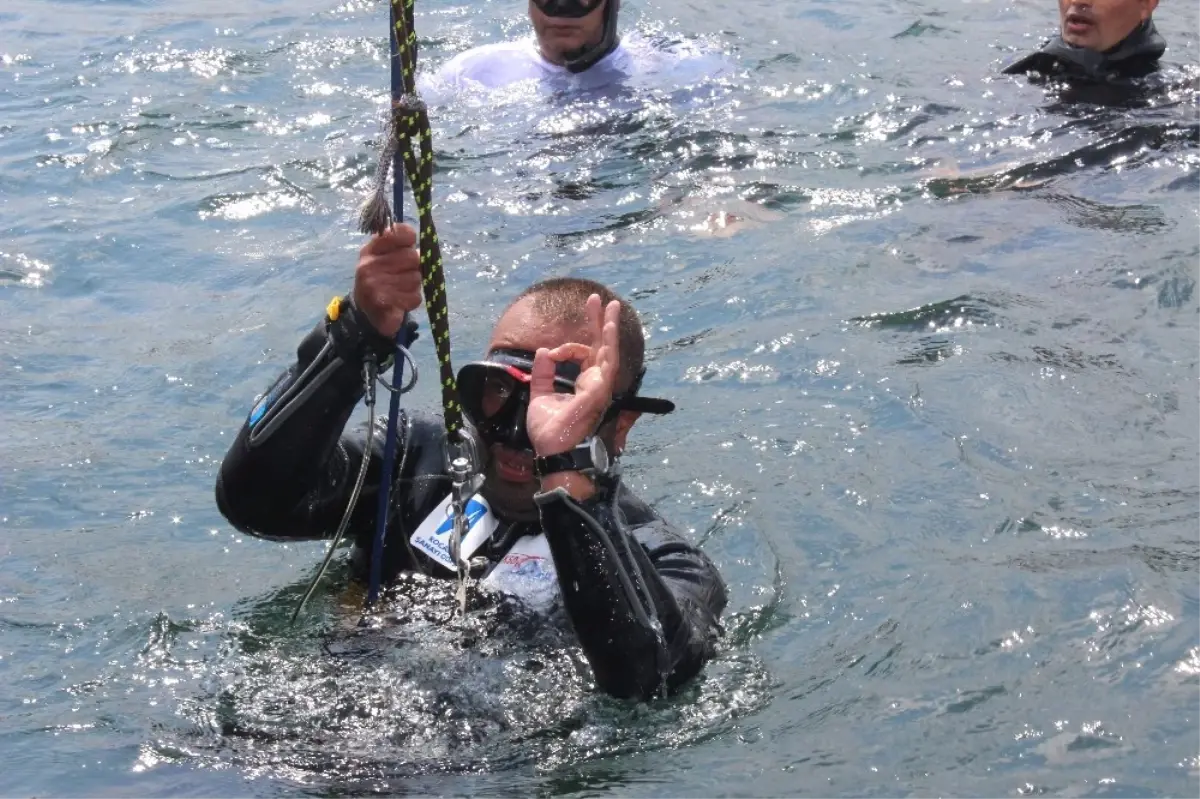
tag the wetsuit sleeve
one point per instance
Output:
(290, 471)
(644, 603)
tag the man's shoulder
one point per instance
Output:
(679, 58)
(426, 427)
(517, 48)
(492, 64)
(1037, 61)
(1136, 57)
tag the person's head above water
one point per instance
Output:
(1101, 25)
(562, 370)
(575, 33)
(1103, 50)
(495, 392)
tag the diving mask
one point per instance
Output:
(571, 9)
(495, 395)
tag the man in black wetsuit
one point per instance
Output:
(555, 393)
(1099, 42)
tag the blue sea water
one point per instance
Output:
(933, 334)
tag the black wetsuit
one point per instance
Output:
(1134, 57)
(644, 603)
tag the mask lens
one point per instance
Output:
(567, 8)
(498, 389)
(487, 391)
(496, 398)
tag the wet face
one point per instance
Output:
(559, 36)
(1101, 24)
(509, 481)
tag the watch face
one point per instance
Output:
(599, 456)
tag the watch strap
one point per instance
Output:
(573, 460)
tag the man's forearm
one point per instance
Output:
(637, 635)
(288, 471)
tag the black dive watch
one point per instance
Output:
(588, 457)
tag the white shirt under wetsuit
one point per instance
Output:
(494, 66)
(504, 64)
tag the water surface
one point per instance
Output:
(933, 335)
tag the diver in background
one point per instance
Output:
(1099, 42)
(575, 46)
(570, 37)
(553, 526)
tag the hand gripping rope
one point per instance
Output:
(409, 124)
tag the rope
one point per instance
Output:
(411, 116)
(410, 145)
(409, 122)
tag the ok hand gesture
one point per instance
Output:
(557, 422)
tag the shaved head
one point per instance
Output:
(561, 302)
